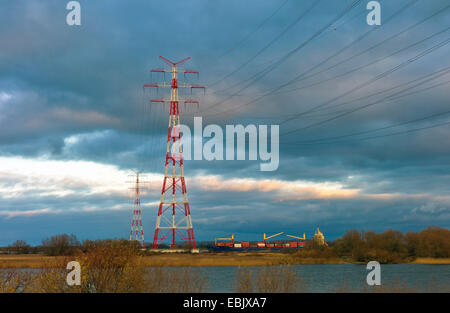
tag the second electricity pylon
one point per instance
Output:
(136, 224)
(174, 197)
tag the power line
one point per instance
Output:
(365, 84)
(367, 64)
(368, 49)
(387, 135)
(389, 98)
(298, 19)
(243, 40)
(407, 29)
(438, 73)
(290, 53)
(317, 65)
(424, 79)
(260, 72)
(361, 37)
(321, 140)
(294, 116)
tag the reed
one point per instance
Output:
(113, 268)
(270, 279)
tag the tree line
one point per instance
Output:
(391, 246)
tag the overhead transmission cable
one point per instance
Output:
(327, 140)
(354, 69)
(365, 97)
(365, 84)
(278, 36)
(272, 91)
(385, 127)
(358, 39)
(261, 25)
(384, 135)
(438, 73)
(389, 98)
(366, 50)
(239, 83)
(290, 53)
(372, 62)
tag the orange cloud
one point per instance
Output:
(283, 190)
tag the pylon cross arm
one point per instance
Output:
(174, 64)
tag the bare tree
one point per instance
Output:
(20, 246)
(61, 245)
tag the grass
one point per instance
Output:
(179, 259)
(215, 259)
(270, 279)
(431, 261)
(202, 259)
(27, 261)
(119, 268)
(108, 269)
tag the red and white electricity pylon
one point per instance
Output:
(136, 224)
(174, 215)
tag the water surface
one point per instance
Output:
(344, 277)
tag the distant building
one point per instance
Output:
(319, 238)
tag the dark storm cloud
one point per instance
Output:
(75, 93)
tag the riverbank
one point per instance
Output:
(202, 259)
(442, 261)
(231, 259)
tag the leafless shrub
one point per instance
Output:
(394, 286)
(61, 245)
(269, 280)
(244, 283)
(20, 247)
(52, 279)
(13, 281)
(174, 280)
(116, 267)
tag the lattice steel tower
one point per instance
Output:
(136, 224)
(174, 215)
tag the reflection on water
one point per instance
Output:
(341, 277)
(345, 277)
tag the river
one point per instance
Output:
(345, 277)
(324, 278)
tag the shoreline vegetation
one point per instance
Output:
(121, 266)
(202, 259)
(430, 246)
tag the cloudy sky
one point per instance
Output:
(363, 114)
